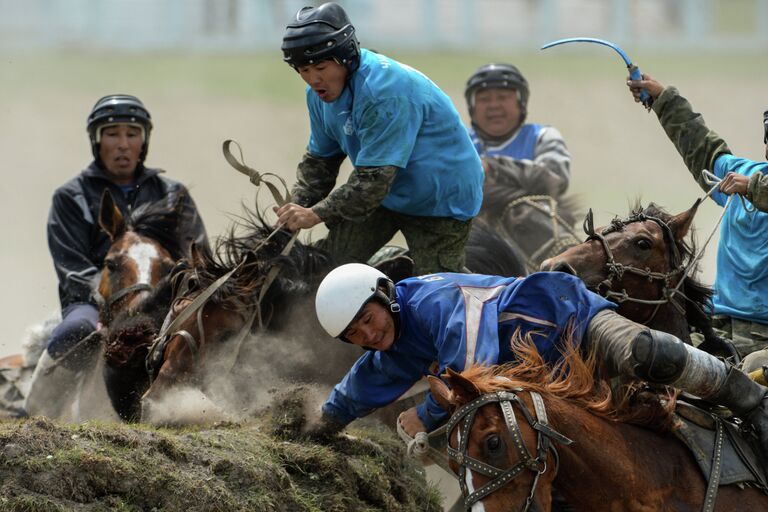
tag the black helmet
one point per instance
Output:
(321, 33)
(498, 76)
(765, 127)
(118, 108)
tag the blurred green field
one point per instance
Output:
(619, 152)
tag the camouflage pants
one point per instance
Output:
(747, 336)
(436, 244)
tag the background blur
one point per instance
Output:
(209, 70)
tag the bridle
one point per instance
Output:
(669, 280)
(105, 305)
(563, 235)
(500, 477)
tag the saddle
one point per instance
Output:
(739, 458)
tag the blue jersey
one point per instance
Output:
(392, 115)
(521, 146)
(741, 282)
(455, 320)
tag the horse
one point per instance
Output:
(532, 218)
(517, 431)
(144, 246)
(254, 322)
(644, 264)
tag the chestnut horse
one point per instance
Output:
(644, 263)
(517, 431)
(254, 315)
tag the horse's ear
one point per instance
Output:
(681, 223)
(463, 389)
(111, 219)
(440, 392)
(196, 255)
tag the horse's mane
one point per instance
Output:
(251, 238)
(160, 221)
(698, 294)
(572, 380)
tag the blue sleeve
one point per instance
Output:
(431, 414)
(387, 131)
(375, 380)
(321, 143)
(726, 163)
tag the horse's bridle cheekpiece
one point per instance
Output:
(617, 270)
(500, 477)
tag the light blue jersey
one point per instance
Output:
(741, 282)
(522, 146)
(390, 114)
(455, 320)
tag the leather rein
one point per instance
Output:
(563, 235)
(669, 280)
(171, 328)
(545, 435)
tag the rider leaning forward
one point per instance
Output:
(455, 320)
(118, 126)
(415, 169)
(741, 282)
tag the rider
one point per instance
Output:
(118, 127)
(741, 283)
(415, 170)
(529, 156)
(455, 320)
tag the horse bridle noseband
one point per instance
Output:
(500, 477)
(617, 270)
(106, 304)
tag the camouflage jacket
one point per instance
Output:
(355, 200)
(698, 145)
(757, 191)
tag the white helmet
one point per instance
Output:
(344, 292)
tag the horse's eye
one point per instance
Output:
(493, 444)
(643, 244)
(111, 265)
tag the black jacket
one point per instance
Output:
(77, 243)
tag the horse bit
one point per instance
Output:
(500, 477)
(617, 270)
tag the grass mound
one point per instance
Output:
(263, 464)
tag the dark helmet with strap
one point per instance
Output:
(498, 76)
(321, 33)
(765, 127)
(117, 109)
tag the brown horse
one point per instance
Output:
(249, 326)
(517, 431)
(644, 263)
(135, 290)
(143, 248)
